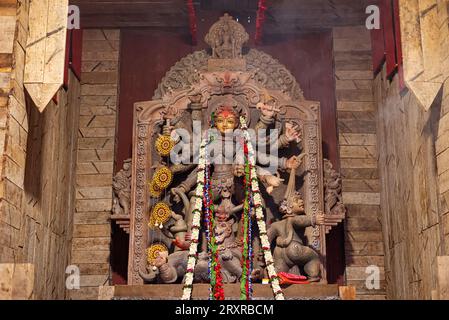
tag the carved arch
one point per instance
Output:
(268, 73)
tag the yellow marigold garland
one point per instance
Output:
(162, 178)
(154, 190)
(164, 145)
(159, 215)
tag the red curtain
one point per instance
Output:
(386, 41)
(73, 50)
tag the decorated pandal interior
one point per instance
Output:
(244, 226)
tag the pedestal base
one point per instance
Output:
(314, 291)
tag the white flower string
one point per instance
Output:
(257, 201)
(196, 224)
(196, 221)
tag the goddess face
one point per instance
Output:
(226, 120)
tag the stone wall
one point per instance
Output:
(356, 113)
(96, 141)
(37, 156)
(12, 23)
(414, 171)
(414, 150)
(442, 136)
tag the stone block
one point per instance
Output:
(95, 155)
(94, 192)
(91, 217)
(363, 152)
(94, 243)
(93, 205)
(89, 256)
(91, 230)
(357, 139)
(93, 180)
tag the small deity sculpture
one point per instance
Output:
(290, 253)
(228, 247)
(122, 189)
(224, 44)
(224, 229)
(226, 38)
(167, 268)
(290, 250)
(333, 202)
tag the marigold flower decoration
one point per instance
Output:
(154, 190)
(159, 215)
(162, 178)
(154, 250)
(164, 145)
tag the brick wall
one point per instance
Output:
(356, 113)
(96, 140)
(37, 156)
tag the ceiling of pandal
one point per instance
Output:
(282, 16)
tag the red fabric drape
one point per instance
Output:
(74, 43)
(386, 41)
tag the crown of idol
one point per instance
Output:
(226, 112)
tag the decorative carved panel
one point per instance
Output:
(192, 90)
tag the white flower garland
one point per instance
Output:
(257, 200)
(196, 224)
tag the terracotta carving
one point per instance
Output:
(333, 199)
(333, 195)
(194, 94)
(291, 254)
(121, 184)
(226, 38)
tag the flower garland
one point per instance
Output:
(164, 145)
(246, 227)
(216, 279)
(257, 201)
(203, 195)
(250, 251)
(208, 222)
(196, 224)
(253, 201)
(160, 214)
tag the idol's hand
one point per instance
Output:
(294, 162)
(292, 132)
(267, 110)
(320, 219)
